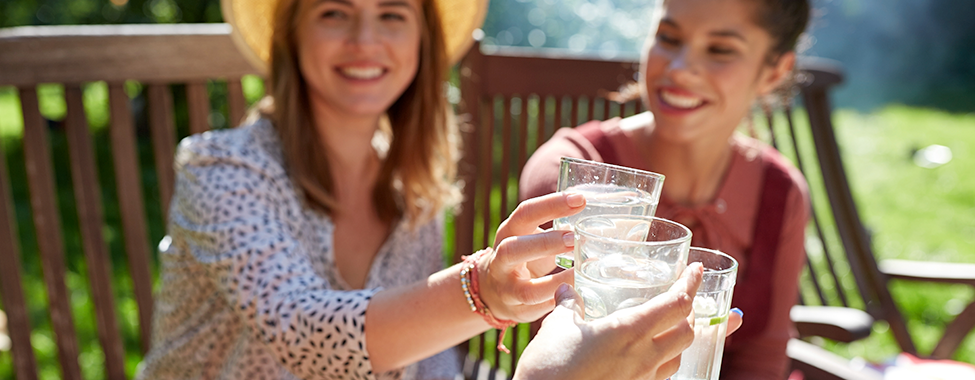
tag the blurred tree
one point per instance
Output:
(79, 12)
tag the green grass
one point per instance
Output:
(914, 213)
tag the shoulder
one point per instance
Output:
(773, 163)
(254, 146)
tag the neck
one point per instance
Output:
(694, 169)
(353, 161)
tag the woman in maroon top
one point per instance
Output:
(706, 63)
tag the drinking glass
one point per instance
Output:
(625, 260)
(609, 189)
(702, 360)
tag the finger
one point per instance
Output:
(660, 313)
(690, 279)
(734, 320)
(669, 368)
(674, 340)
(540, 290)
(518, 250)
(567, 298)
(533, 212)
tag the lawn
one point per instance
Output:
(914, 213)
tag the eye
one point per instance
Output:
(334, 14)
(720, 50)
(392, 16)
(667, 39)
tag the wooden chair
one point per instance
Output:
(157, 56)
(513, 99)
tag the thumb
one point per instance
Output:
(566, 296)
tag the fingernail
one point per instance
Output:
(569, 239)
(561, 290)
(575, 200)
(738, 311)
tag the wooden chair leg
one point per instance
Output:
(955, 333)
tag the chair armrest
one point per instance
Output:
(837, 323)
(818, 364)
(953, 273)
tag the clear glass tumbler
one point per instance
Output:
(609, 189)
(625, 260)
(702, 360)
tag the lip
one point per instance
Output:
(363, 68)
(674, 110)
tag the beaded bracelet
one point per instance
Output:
(471, 288)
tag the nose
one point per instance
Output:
(364, 32)
(683, 66)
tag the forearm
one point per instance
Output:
(407, 324)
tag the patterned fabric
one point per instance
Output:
(249, 285)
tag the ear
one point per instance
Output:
(774, 75)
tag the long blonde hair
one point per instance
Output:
(417, 177)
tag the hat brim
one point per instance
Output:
(251, 22)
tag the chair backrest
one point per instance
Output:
(155, 57)
(511, 102)
(508, 98)
(835, 220)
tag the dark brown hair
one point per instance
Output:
(784, 20)
(417, 176)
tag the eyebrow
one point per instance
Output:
(391, 3)
(718, 33)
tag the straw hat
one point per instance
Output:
(251, 21)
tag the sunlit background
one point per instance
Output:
(905, 118)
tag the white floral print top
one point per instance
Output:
(249, 286)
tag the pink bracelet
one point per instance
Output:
(471, 289)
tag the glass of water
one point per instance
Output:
(609, 189)
(702, 360)
(625, 260)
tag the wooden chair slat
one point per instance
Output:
(851, 230)
(506, 152)
(557, 118)
(236, 103)
(163, 131)
(815, 218)
(955, 333)
(12, 294)
(487, 148)
(149, 53)
(522, 137)
(129, 188)
(541, 134)
(88, 200)
(40, 179)
(198, 107)
(573, 111)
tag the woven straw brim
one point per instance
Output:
(251, 21)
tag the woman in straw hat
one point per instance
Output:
(307, 242)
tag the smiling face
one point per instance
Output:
(704, 67)
(358, 56)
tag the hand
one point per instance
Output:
(513, 279)
(642, 342)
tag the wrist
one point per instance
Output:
(472, 270)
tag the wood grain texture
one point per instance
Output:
(90, 220)
(12, 294)
(163, 131)
(128, 184)
(47, 225)
(150, 53)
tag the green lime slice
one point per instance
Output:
(717, 320)
(564, 261)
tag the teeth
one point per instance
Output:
(362, 72)
(680, 101)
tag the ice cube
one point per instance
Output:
(631, 302)
(638, 232)
(655, 272)
(705, 306)
(618, 266)
(595, 308)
